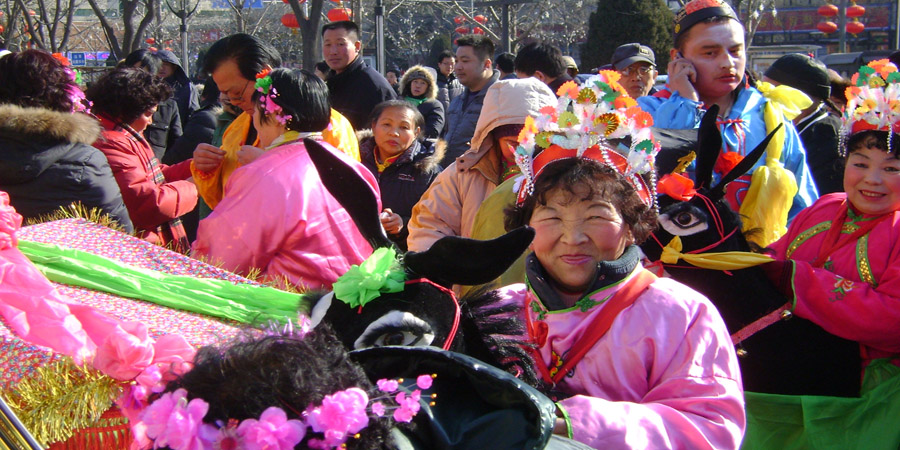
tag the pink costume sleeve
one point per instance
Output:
(851, 309)
(693, 398)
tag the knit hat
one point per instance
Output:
(801, 72)
(696, 11)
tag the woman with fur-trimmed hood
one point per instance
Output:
(403, 163)
(418, 86)
(47, 160)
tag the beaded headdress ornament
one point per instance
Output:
(581, 125)
(873, 102)
(267, 99)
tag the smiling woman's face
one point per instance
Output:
(574, 233)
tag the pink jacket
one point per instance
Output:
(665, 375)
(858, 296)
(277, 217)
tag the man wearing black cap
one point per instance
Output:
(637, 65)
(817, 126)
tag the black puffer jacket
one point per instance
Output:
(165, 129)
(404, 181)
(355, 92)
(184, 93)
(47, 161)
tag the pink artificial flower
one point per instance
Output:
(126, 352)
(156, 416)
(340, 415)
(424, 381)
(385, 385)
(10, 221)
(407, 406)
(378, 409)
(182, 428)
(273, 431)
(150, 379)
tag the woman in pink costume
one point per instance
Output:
(840, 263)
(633, 360)
(276, 216)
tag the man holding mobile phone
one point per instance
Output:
(707, 68)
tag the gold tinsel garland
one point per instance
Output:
(62, 398)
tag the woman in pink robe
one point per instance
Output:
(276, 216)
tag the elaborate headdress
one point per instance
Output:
(873, 101)
(581, 125)
(267, 99)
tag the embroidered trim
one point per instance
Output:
(862, 261)
(824, 226)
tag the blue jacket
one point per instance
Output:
(743, 131)
(461, 119)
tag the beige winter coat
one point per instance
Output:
(448, 207)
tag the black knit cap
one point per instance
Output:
(696, 11)
(801, 72)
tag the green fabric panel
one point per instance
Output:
(871, 422)
(245, 303)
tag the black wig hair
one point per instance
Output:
(303, 96)
(245, 377)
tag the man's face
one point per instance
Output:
(471, 71)
(717, 52)
(638, 78)
(391, 78)
(229, 80)
(166, 70)
(446, 66)
(339, 48)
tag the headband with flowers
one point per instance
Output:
(581, 125)
(269, 93)
(175, 422)
(873, 101)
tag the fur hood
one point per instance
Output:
(44, 124)
(418, 72)
(435, 151)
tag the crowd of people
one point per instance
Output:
(478, 146)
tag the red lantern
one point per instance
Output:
(1, 28)
(31, 12)
(290, 20)
(150, 41)
(828, 10)
(339, 14)
(855, 27)
(477, 30)
(855, 11)
(481, 19)
(827, 27)
(462, 30)
(152, 49)
(459, 19)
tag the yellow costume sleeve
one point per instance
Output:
(340, 134)
(211, 185)
(772, 187)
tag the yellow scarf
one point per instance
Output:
(772, 187)
(716, 261)
(211, 185)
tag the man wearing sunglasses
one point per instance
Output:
(637, 65)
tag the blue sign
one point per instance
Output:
(77, 58)
(247, 4)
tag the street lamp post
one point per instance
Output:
(183, 14)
